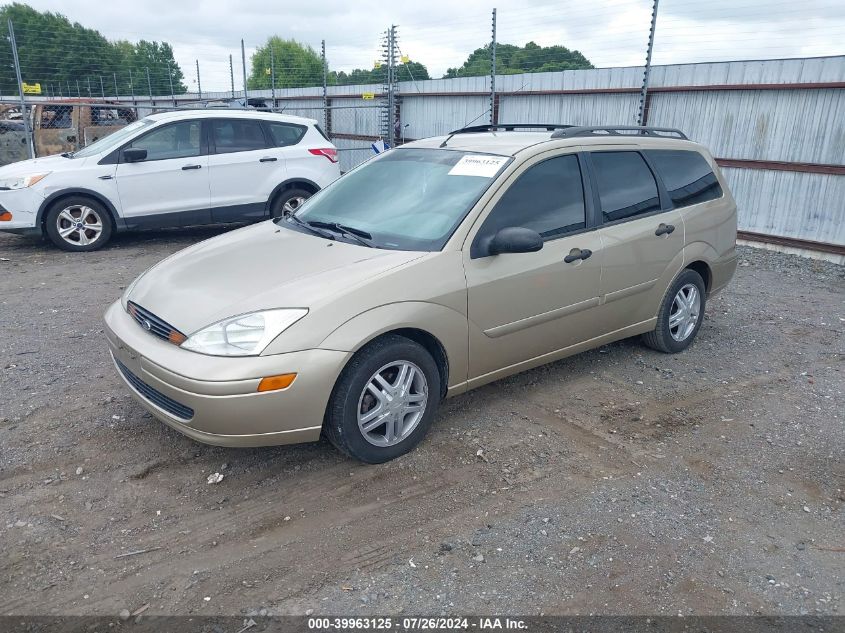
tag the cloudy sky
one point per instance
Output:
(441, 33)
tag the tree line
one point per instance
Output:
(66, 58)
(69, 59)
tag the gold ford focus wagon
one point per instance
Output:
(429, 270)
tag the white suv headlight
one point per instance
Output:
(243, 335)
(22, 182)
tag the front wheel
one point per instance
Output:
(78, 223)
(288, 202)
(384, 401)
(680, 316)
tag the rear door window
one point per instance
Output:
(237, 135)
(547, 198)
(175, 140)
(686, 175)
(625, 185)
(284, 134)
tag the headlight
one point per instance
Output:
(244, 335)
(22, 182)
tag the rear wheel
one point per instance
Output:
(79, 223)
(288, 201)
(384, 401)
(680, 316)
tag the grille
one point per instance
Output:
(174, 408)
(154, 325)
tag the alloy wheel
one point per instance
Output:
(392, 403)
(686, 308)
(79, 225)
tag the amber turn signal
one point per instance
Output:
(5, 216)
(177, 338)
(273, 383)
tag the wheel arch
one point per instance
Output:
(291, 183)
(56, 196)
(703, 269)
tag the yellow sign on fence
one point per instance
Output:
(31, 89)
(368, 95)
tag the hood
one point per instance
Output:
(256, 268)
(36, 165)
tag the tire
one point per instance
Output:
(352, 395)
(288, 201)
(677, 325)
(64, 220)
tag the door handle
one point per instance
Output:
(267, 159)
(577, 254)
(186, 167)
(664, 229)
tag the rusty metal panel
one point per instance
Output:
(783, 125)
(792, 204)
(617, 109)
(433, 116)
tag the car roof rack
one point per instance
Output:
(507, 127)
(510, 127)
(619, 130)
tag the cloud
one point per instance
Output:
(442, 33)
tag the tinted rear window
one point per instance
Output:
(237, 135)
(284, 134)
(687, 176)
(625, 184)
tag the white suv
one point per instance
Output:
(169, 169)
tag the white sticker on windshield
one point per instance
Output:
(478, 165)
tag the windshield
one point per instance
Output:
(405, 199)
(110, 141)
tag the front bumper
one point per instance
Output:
(23, 204)
(216, 396)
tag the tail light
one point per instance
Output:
(328, 152)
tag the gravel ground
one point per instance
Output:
(619, 481)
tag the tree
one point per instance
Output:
(296, 65)
(408, 71)
(511, 60)
(65, 57)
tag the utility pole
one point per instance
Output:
(494, 105)
(325, 85)
(243, 66)
(199, 85)
(232, 75)
(273, 78)
(642, 115)
(26, 126)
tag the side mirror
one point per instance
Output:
(515, 239)
(134, 154)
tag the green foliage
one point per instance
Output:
(511, 60)
(296, 65)
(55, 52)
(411, 71)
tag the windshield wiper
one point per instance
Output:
(307, 226)
(359, 235)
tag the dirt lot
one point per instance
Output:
(619, 481)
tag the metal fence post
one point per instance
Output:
(116, 91)
(272, 77)
(170, 77)
(231, 76)
(642, 115)
(199, 85)
(26, 125)
(102, 88)
(325, 85)
(243, 66)
(149, 84)
(89, 86)
(132, 88)
(78, 91)
(494, 104)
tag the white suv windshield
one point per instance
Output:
(109, 142)
(406, 199)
